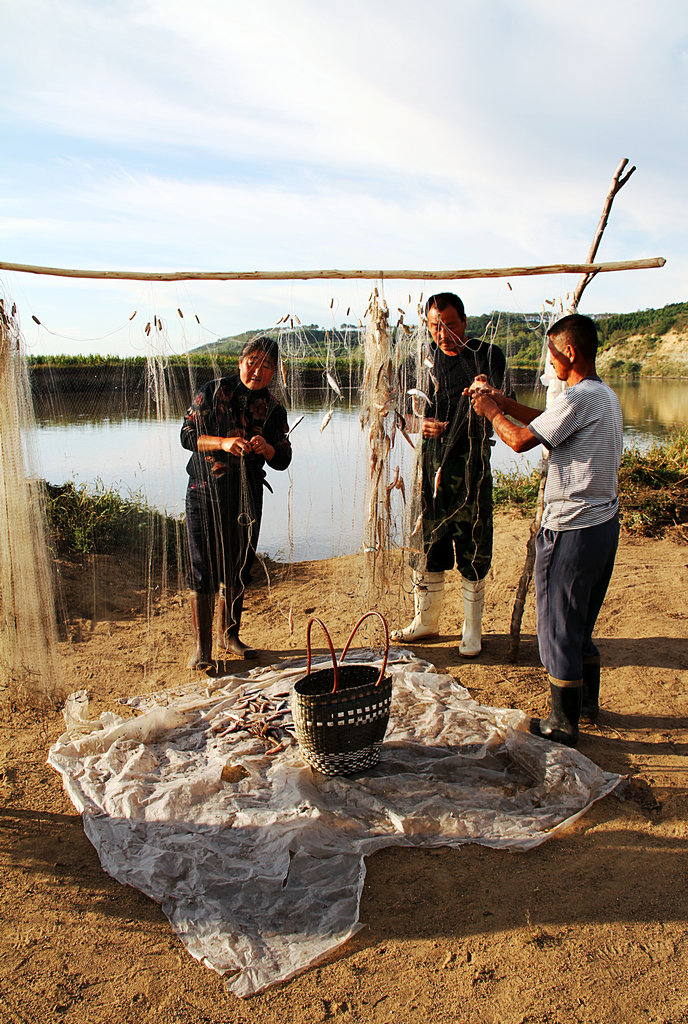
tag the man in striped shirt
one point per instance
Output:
(577, 541)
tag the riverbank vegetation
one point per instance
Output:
(100, 520)
(653, 489)
(646, 342)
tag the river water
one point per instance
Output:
(316, 510)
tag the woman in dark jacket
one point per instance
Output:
(233, 427)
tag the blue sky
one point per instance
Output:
(265, 135)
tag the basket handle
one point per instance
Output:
(329, 644)
(386, 629)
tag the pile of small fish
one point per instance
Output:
(266, 716)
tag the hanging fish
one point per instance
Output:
(325, 420)
(297, 320)
(420, 394)
(419, 523)
(436, 487)
(334, 385)
(429, 363)
(180, 313)
(36, 319)
(132, 315)
(295, 425)
(291, 620)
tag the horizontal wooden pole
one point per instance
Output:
(331, 275)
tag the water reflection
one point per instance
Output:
(317, 507)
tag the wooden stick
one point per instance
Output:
(527, 574)
(587, 268)
(617, 183)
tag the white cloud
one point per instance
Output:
(266, 135)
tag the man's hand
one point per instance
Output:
(484, 404)
(481, 386)
(434, 428)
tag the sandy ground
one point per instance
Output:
(591, 926)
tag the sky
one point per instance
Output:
(270, 135)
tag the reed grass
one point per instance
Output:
(102, 521)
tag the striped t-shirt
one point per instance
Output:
(583, 431)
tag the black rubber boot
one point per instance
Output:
(591, 690)
(228, 635)
(562, 724)
(202, 608)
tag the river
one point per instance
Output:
(317, 506)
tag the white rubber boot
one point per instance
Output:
(473, 601)
(428, 588)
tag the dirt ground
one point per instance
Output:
(591, 926)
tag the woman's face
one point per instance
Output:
(256, 370)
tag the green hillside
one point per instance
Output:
(627, 337)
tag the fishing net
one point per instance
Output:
(97, 443)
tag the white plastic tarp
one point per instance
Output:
(262, 876)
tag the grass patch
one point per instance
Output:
(516, 490)
(653, 489)
(102, 521)
(652, 486)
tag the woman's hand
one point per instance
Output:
(236, 446)
(259, 446)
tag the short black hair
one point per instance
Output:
(263, 344)
(444, 299)
(580, 332)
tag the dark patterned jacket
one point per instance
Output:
(226, 408)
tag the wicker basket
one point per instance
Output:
(341, 713)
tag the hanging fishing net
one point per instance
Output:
(103, 445)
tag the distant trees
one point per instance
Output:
(520, 335)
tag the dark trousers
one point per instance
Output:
(572, 572)
(222, 524)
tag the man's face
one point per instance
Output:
(447, 329)
(256, 370)
(562, 355)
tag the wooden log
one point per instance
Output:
(617, 183)
(328, 275)
(527, 574)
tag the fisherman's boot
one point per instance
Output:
(202, 607)
(428, 588)
(565, 702)
(473, 602)
(591, 689)
(228, 622)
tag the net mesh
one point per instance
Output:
(361, 389)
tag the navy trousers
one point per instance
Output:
(222, 524)
(572, 572)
